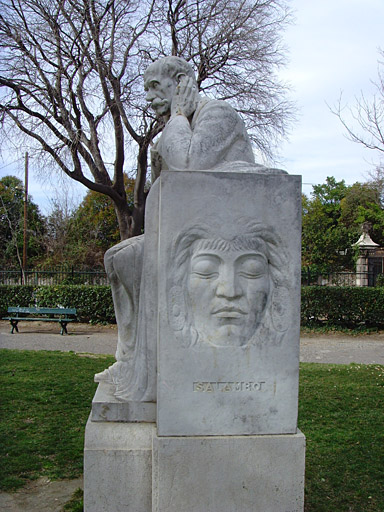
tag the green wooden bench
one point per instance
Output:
(61, 315)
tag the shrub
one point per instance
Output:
(320, 305)
(93, 303)
(347, 306)
(15, 295)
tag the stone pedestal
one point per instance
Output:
(226, 303)
(118, 467)
(129, 468)
(106, 407)
(229, 473)
(362, 269)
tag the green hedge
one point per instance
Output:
(93, 303)
(347, 306)
(320, 305)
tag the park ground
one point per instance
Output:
(46, 496)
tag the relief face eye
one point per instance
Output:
(205, 267)
(252, 266)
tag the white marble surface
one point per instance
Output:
(228, 347)
(229, 474)
(106, 407)
(199, 133)
(118, 467)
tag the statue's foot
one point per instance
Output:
(119, 374)
(104, 376)
(115, 374)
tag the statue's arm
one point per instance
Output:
(206, 144)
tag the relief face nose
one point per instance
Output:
(227, 285)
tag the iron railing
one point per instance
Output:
(71, 275)
(309, 278)
(54, 276)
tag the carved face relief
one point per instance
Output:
(160, 90)
(228, 292)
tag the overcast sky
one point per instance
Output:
(333, 48)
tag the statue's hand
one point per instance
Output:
(185, 99)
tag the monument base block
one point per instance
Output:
(118, 467)
(229, 473)
(106, 407)
(128, 468)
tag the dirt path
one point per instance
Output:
(94, 339)
(41, 495)
(342, 349)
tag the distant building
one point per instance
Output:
(370, 262)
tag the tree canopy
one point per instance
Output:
(12, 223)
(70, 79)
(332, 220)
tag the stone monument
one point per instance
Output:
(199, 412)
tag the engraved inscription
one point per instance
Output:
(227, 387)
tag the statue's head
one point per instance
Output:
(224, 285)
(161, 79)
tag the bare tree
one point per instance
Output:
(368, 116)
(70, 78)
(236, 48)
(64, 81)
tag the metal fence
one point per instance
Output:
(309, 278)
(72, 275)
(53, 276)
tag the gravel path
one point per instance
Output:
(342, 349)
(43, 495)
(99, 339)
(94, 339)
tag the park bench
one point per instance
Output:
(61, 315)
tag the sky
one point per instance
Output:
(332, 50)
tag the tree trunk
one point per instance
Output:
(140, 196)
(124, 219)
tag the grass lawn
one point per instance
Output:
(45, 403)
(46, 399)
(341, 414)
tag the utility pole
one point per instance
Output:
(25, 215)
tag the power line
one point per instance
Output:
(10, 163)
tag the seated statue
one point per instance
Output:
(199, 134)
